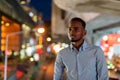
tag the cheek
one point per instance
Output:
(81, 35)
(68, 36)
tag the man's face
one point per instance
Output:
(76, 31)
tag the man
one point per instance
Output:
(81, 60)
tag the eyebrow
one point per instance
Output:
(74, 27)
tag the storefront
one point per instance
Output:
(12, 18)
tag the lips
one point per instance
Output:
(72, 36)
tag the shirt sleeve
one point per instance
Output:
(58, 68)
(102, 69)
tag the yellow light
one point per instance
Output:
(7, 24)
(23, 2)
(49, 39)
(41, 30)
(31, 59)
(40, 40)
(2, 22)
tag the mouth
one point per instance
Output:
(72, 36)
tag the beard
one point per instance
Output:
(76, 40)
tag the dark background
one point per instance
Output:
(43, 7)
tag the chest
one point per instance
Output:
(82, 60)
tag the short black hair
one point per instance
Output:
(80, 20)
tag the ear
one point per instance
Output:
(85, 32)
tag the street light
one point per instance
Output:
(6, 51)
(48, 39)
(41, 30)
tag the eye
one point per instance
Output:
(69, 29)
(76, 28)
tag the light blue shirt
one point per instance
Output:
(86, 64)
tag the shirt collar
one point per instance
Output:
(82, 48)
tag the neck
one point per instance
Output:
(77, 45)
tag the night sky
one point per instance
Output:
(44, 7)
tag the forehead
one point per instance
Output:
(75, 24)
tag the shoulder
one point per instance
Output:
(91, 46)
(98, 51)
(94, 49)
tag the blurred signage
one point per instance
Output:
(111, 44)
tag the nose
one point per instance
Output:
(71, 31)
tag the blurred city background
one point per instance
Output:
(32, 32)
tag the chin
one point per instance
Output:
(76, 40)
